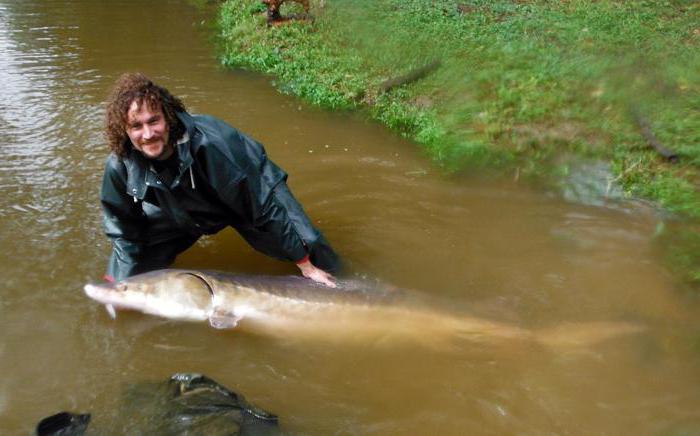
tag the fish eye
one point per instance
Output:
(121, 287)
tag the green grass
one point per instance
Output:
(520, 83)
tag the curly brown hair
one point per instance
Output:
(136, 87)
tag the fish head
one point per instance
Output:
(173, 294)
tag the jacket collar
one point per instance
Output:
(139, 173)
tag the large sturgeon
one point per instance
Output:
(290, 306)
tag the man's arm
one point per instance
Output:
(122, 220)
(283, 216)
(286, 228)
(254, 187)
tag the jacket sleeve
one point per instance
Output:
(122, 220)
(319, 250)
(253, 188)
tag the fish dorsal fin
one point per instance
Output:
(223, 319)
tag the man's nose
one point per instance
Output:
(147, 132)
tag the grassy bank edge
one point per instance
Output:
(309, 61)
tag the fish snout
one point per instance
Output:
(91, 290)
(97, 292)
(100, 294)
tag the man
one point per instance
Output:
(172, 177)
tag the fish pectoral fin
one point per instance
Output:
(221, 319)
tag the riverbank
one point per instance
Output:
(521, 86)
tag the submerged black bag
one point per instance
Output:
(190, 404)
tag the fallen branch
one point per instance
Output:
(648, 135)
(412, 76)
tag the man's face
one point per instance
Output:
(148, 131)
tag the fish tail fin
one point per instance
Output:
(573, 335)
(486, 331)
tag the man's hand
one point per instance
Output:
(308, 270)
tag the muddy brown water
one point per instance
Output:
(498, 248)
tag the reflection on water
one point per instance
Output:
(500, 250)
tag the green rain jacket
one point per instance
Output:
(224, 179)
